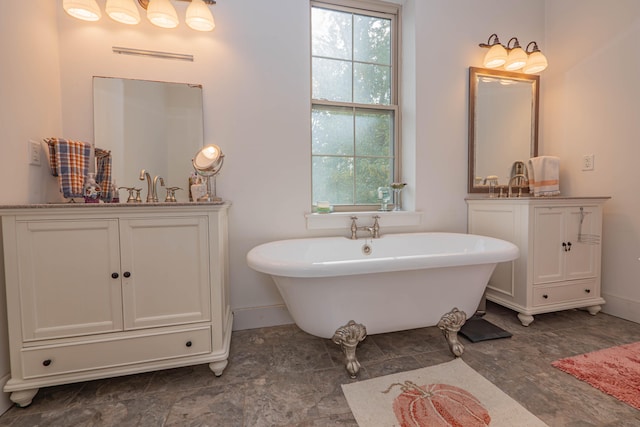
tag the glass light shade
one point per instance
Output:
(161, 13)
(496, 57)
(87, 10)
(123, 11)
(199, 17)
(537, 62)
(516, 60)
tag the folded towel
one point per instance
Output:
(69, 161)
(103, 173)
(544, 175)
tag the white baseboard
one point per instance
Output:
(260, 317)
(624, 308)
(5, 403)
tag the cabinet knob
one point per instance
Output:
(189, 344)
(46, 362)
(545, 296)
(564, 246)
(115, 275)
(568, 246)
(127, 274)
(588, 291)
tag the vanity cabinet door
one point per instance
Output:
(69, 277)
(548, 252)
(165, 264)
(559, 252)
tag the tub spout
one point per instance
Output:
(373, 229)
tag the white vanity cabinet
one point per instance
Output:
(560, 250)
(108, 290)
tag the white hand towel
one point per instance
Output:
(544, 176)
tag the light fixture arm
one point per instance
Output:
(533, 49)
(516, 45)
(145, 3)
(496, 41)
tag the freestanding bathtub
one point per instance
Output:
(393, 283)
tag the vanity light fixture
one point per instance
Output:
(123, 11)
(517, 56)
(160, 13)
(537, 61)
(86, 10)
(513, 57)
(497, 55)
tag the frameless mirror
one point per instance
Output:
(503, 125)
(151, 125)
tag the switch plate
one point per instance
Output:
(34, 153)
(587, 162)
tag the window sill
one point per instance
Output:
(342, 220)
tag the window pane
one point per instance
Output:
(331, 36)
(374, 133)
(372, 84)
(371, 174)
(372, 40)
(331, 79)
(333, 180)
(332, 130)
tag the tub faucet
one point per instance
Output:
(145, 175)
(373, 229)
(520, 182)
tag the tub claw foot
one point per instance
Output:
(348, 337)
(450, 325)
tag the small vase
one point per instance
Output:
(91, 189)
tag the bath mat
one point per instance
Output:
(615, 371)
(477, 329)
(449, 394)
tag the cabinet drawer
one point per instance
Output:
(106, 353)
(544, 295)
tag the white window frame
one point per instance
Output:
(388, 11)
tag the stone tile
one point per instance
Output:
(282, 376)
(210, 406)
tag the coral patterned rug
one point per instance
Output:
(449, 394)
(615, 371)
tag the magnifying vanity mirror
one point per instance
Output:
(503, 125)
(156, 126)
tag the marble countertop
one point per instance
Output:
(82, 205)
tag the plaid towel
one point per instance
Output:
(69, 161)
(103, 173)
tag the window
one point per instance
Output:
(354, 111)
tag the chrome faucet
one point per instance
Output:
(373, 229)
(155, 186)
(145, 175)
(515, 177)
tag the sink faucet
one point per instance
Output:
(516, 177)
(373, 229)
(145, 175)
(155, 187)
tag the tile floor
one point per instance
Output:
(281, 376)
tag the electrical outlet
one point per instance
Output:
(587, 162)
(34, 153)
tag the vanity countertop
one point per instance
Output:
(81, 205)
(527, 198)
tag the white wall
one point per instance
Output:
(29, 109)
(591, 96)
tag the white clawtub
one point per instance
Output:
(396, 282)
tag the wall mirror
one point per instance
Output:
(149, 125)
(503, 125)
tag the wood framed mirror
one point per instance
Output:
(503, 125)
